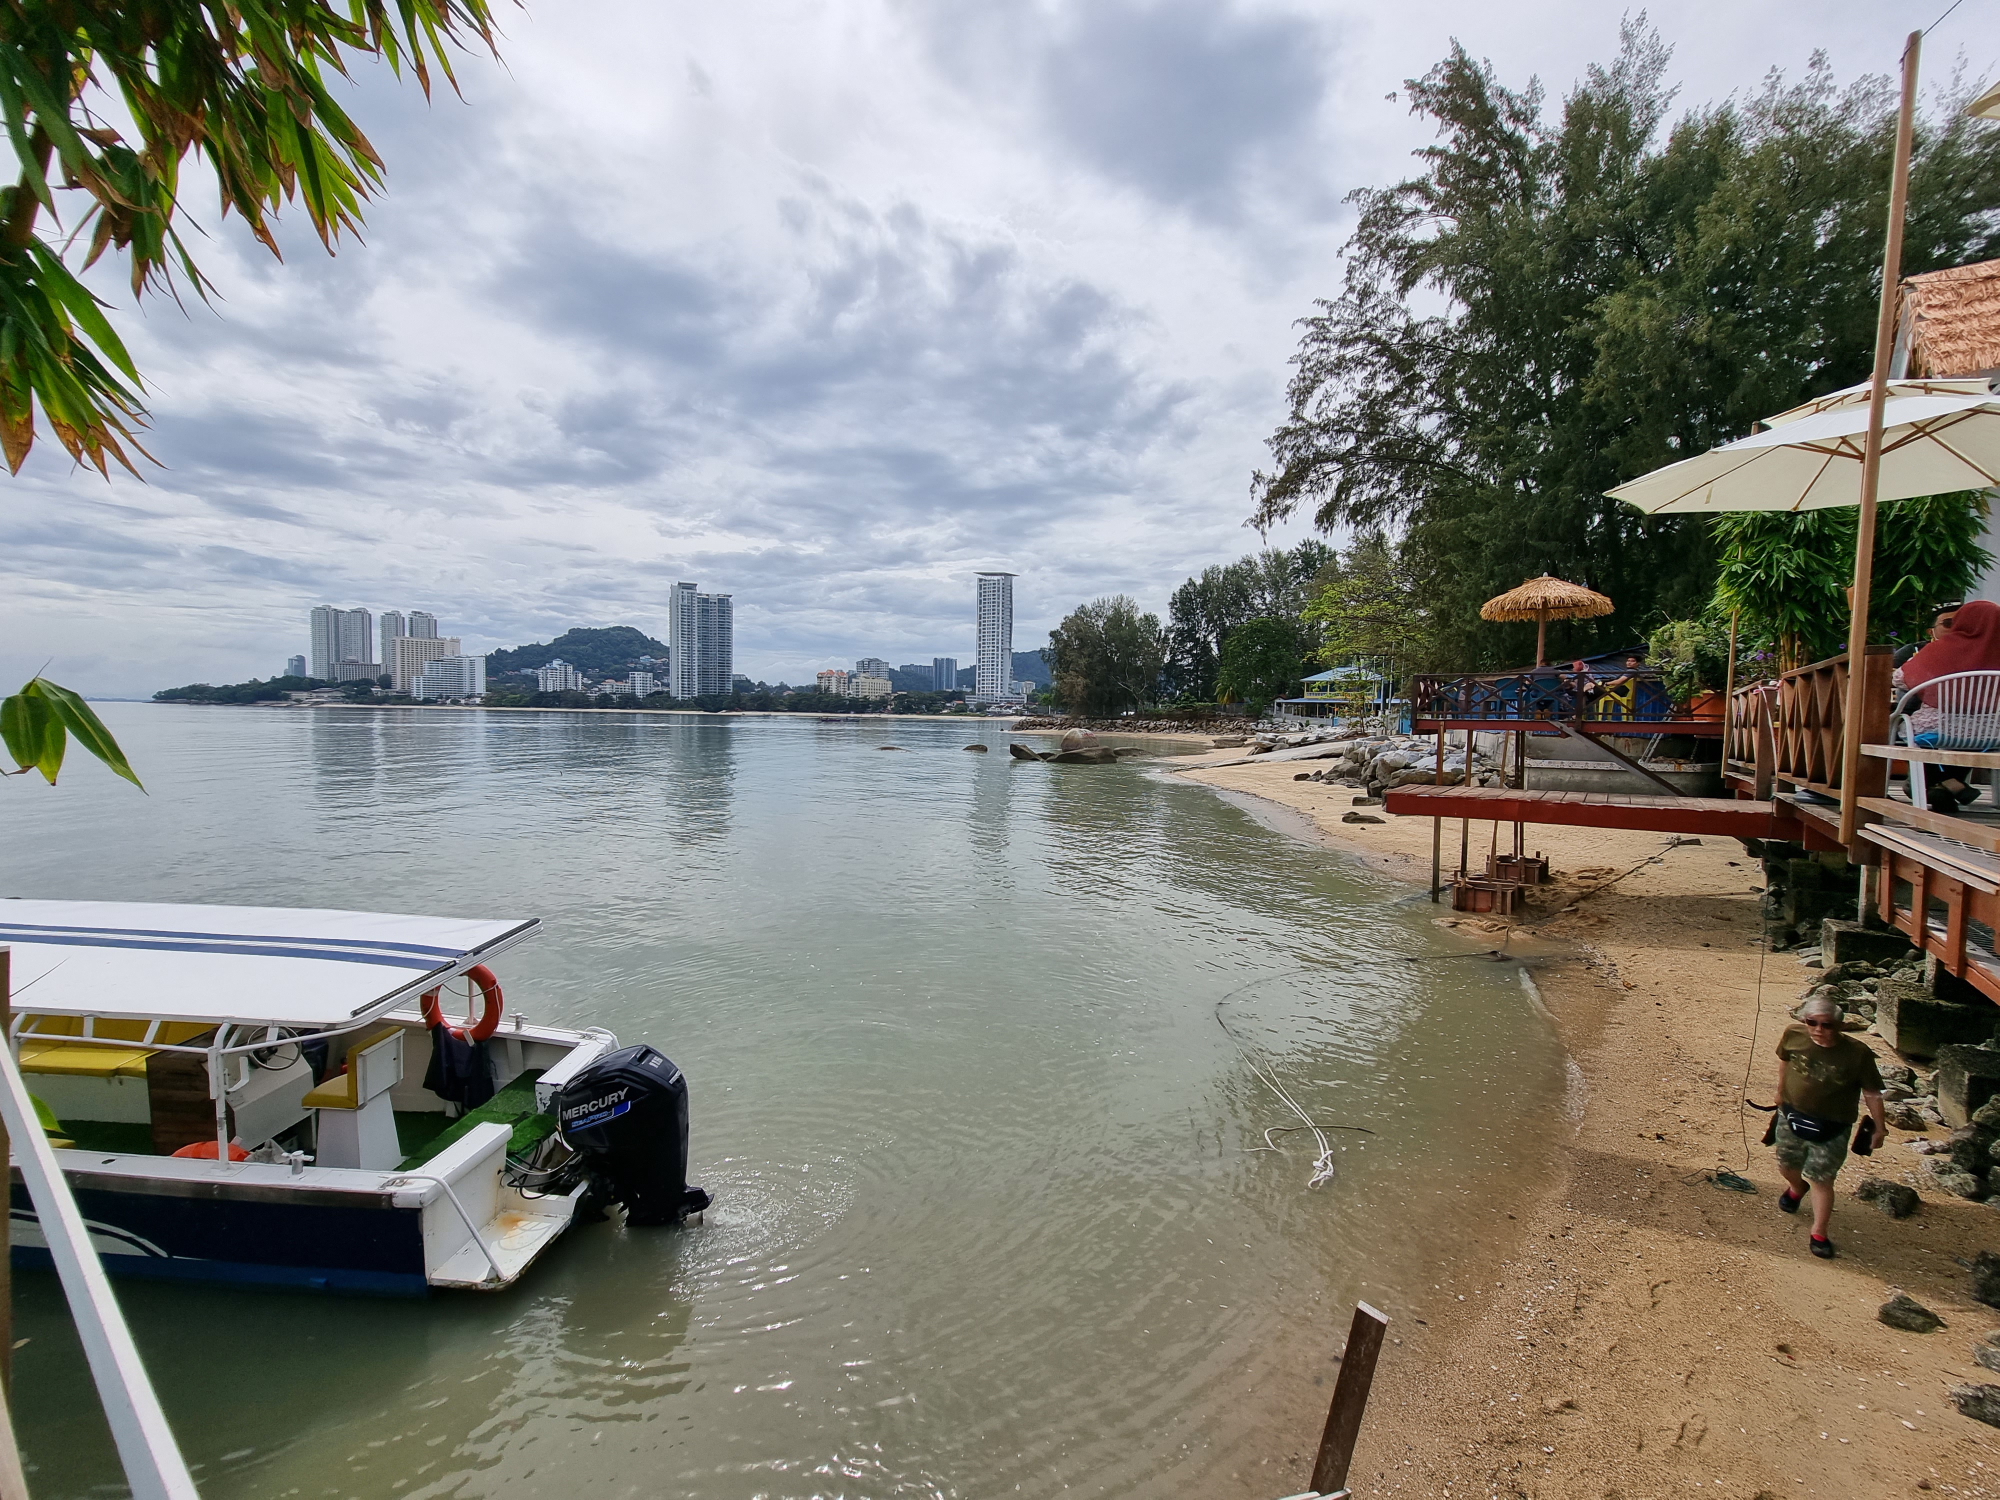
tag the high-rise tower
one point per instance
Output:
(681, 636)
(995, 673)
(340, 635)
(714, 644)
(701, 628)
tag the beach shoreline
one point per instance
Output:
(1629, 1328)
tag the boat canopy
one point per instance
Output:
(244, 965)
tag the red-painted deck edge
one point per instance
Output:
(1695, 815)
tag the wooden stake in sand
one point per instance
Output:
(1350, 1399)
(1437, 825)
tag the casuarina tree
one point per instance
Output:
(1106, 657)
(1553, 305)
(104, 102)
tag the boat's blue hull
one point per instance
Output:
(240, 1234)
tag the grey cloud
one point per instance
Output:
(1176, 98)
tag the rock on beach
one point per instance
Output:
(1907, 1313)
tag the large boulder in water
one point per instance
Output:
(1021, 752)
(1079, 739)
(1097, 755)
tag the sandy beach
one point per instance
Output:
(1628, 1328)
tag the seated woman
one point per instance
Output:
(1970, 642)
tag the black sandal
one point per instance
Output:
(1788, 1202)
(1823, 1248)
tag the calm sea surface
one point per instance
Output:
(988, 1218)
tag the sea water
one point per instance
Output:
(982, 1056)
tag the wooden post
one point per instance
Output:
(1541, 637)
(1729, 686)
(1350, 1399)
(1871, 456)
(1437, 824)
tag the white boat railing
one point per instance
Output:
(153, 1464)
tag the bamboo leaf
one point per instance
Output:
(33, 735)
(81, 721)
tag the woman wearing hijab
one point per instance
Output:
(1971, 644)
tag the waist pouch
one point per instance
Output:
(1810, 1127)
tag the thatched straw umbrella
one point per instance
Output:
(1542, 600)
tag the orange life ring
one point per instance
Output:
(489, 1007)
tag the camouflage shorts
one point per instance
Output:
(1816, 1161)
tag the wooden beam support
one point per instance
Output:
(1626, 761)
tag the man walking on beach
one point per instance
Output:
(1824, 1076)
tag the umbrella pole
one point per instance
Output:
(1871, 459)
(1541, 638)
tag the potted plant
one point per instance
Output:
(1692, 658)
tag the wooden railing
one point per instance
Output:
(1546, 696)
(1811, 712)
(1748, 745)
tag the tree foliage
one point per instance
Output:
(1372, 606)
(607, 648)
(1106, 657)
(1552, 306)
(256, 690)
(38, 722)
(1274, 583)
(246, 88)
(1262, 661)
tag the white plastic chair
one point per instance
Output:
(1968, 718)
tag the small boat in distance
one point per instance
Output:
(264, 1095)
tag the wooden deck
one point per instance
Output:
(1725, 817)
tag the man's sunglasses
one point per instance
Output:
(1822, 1025)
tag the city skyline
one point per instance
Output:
(351, 643)
(840, 373)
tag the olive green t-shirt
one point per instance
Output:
(1827, 1082)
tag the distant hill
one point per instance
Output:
(604, 648)
(1028, 667)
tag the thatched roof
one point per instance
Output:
(1950, 321)
(1547, 598)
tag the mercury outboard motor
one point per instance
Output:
(626, 1115)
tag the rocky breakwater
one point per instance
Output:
(1137, 725)
(1380, 763)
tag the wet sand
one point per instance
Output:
(1625, 1328)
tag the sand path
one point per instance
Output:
(1627, 1329)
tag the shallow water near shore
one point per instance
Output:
(990, 1210)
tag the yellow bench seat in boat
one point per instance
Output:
(342, 1090)
(51, 1044)
(82, 1060)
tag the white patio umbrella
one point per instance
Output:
(1937, 436)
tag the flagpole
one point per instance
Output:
(1871, 460)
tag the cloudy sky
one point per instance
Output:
(826, 306)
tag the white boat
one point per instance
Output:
(260, 1095)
